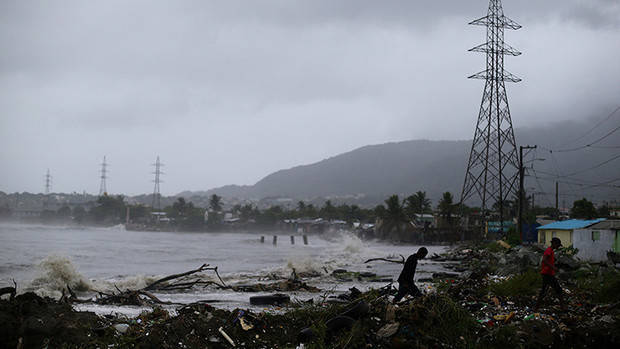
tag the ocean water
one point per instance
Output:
(45, 259)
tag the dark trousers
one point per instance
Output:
(549, 281)
(406, 288)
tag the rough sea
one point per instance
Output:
(44, 259)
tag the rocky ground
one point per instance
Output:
(486, 303)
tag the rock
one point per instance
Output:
(390, 313)
(339, 322)
(567, 262)
(388, 330)
(357, 311)
(367, 274)
(531, 257)
(274, 299)
(305, 335)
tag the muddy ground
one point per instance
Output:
(488, 306)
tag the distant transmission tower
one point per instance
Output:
(48, 188)
(156, 195)
(104, 175)
(48, 182)
(492, 170)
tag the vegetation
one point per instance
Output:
(583, 209)
(525, 284)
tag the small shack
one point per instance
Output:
(596, 240)
(563, 230)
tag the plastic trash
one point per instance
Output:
(504, 317)
(226, 336)
(245, 324)
(121, 328)
(388, 330)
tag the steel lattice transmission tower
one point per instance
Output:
(492, 170)
(156, 195)
(48, 188)
(48, 182)
(104, 175)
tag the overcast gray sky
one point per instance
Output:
(226, 92)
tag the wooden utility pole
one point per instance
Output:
(521, 191)
(557, 208)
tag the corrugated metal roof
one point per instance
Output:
(610, 224)
(571, 224)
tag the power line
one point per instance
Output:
(589, 145)
(586, 169)
(593, 128)
(578, 182)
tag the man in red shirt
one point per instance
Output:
(548, 269)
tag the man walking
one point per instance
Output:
(547, 270)
(405, 280)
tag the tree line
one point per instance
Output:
(394, 213)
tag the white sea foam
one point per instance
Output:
(55, 273)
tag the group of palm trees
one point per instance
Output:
(396, 214)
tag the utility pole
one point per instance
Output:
(521, 191)
(557, 208)
(492, 169)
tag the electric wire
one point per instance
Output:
(593, 128)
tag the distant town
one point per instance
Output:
(412, 218)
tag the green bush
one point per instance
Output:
(513, 238)
(608, 286)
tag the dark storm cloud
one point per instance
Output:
(228, 91)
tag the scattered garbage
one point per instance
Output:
(388, 330)
(121, 328)
(226, 337)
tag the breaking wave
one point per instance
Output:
(55, 273)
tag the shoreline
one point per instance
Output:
(489, 305)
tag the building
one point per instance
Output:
(596, 240)
(563, 230)
(614, 212)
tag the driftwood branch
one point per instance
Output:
(9, 290)
(157, 284)
(402, 261)
(143, 296)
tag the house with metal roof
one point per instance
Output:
(563, 230)
(596, 240)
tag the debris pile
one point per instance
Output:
(485, 303)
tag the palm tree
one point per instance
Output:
(215, 203)
(394, 215)
(446, 206)
(417, 203)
